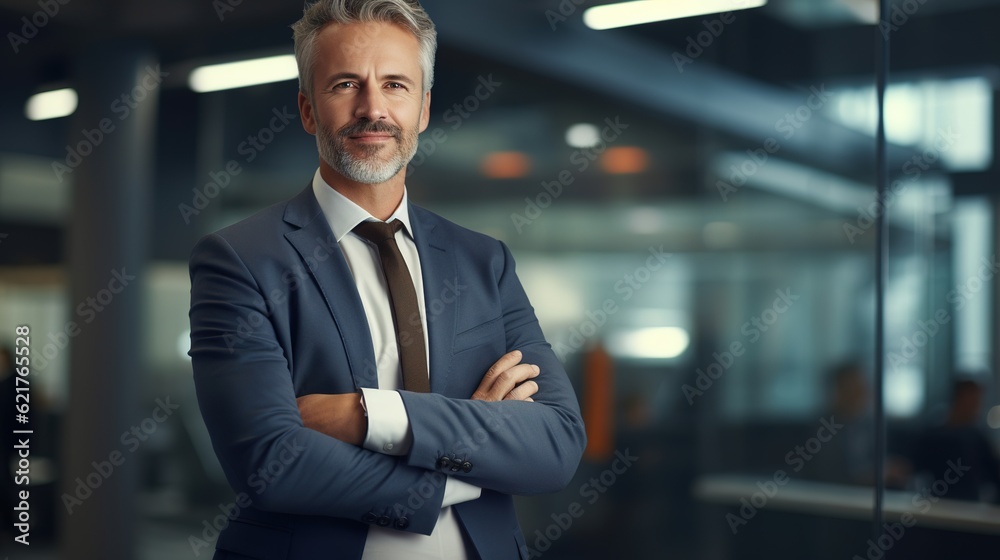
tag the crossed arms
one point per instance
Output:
(341, 415)
(256, 420)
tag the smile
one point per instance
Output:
(372, 138)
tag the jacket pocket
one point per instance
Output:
(255, 540)
(480, 334)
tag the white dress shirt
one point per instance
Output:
(388, 424)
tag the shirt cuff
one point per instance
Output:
(456, 492)
(388, 423)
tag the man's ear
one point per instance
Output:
(306, 114)
(425, 112)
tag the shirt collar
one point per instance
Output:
(343, 214)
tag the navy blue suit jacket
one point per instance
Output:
(275, 314)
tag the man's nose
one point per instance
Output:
(371, 104)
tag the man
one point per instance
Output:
(353, 418)
(958, 452)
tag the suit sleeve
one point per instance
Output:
(247, 399)
(519, 447)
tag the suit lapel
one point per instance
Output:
(324, 259)
(438, 271)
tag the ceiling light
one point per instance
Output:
(624, 14)
(243, 73)
(650, 343)
(583, 135)
(51, 104)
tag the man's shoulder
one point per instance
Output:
(265, 218)
(455, 234)
(265, 228)
(268, 222)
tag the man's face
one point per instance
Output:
(367, 104)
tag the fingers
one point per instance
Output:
(507, 380)
(507, 361)
(522, 392)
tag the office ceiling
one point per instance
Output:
(181, 27)
(763, 64)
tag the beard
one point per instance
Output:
(371, 166)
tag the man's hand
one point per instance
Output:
(508, 379)
(338, 416)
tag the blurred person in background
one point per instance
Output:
(352, 420)
(848, 457)
(958, 451)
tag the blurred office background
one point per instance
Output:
(691, 204)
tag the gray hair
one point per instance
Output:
(406, 13)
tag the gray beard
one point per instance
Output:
(368, 169)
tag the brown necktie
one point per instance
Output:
(403, 300)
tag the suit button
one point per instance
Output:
(466, 466)
(455, 466)
(369, 517)
(402, 523)
(444, 463)
(383, 521)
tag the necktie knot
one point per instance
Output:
(378, 232)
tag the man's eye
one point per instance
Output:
(344, 85)
(395, 85)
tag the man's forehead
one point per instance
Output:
(352, 49)
(373, 33)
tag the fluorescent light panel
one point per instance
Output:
(51, 104)
(217, 77)
(649, 343)
(624, 14)
(583, 135)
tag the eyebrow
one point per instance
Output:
(352, 76)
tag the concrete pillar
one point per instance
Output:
(113, 135)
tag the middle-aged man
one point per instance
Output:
(353, 418)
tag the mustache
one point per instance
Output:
(370, 127)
